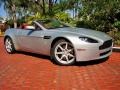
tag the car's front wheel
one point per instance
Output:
(63, 53)
(9, 46)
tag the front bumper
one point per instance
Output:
(89, 52)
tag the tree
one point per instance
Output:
(99, 13)
(11, 8)
(14, 8)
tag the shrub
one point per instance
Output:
(115, 34)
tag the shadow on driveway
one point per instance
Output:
(91, 62)
(34, 55)
(80, 63)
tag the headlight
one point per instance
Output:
(86, 39)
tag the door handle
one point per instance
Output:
(47, 37)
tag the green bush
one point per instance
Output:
(63, 16)
(117, 24)
(84, 24)
(115, 34)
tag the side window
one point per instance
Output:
(26, 26)
(36, 26)
(31, 26)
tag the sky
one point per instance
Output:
(2, 11)
(4, 15)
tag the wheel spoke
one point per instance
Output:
(59, 52)
(66, 46)
(67, 58)
(62, 57)
(70, 50)
(8, 47)
(61, 47)
(9, 43)
(71, 55)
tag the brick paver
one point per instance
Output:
(25, 71)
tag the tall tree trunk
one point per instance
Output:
(73, 12)
(43, 2)
(76, 10)
(50, 6)
(14, 15)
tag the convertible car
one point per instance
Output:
(64, 44)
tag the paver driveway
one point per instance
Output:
(25, 71)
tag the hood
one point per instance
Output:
(87, 32)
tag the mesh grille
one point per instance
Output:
(101, 54)
(106, 44)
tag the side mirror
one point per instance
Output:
(30, 27)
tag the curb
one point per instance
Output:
(116, 49)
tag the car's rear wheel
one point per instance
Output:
(9, 46)
(63, 53)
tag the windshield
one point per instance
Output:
(52, 24)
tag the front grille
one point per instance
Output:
(101, 54)
(106, 44)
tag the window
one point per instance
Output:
(52, 24)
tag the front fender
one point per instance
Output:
(10, 33)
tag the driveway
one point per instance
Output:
(26, 71)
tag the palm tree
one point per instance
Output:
(10, 6)
(13, 7)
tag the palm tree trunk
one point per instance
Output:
(14, 15)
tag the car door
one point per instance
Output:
(34, 40)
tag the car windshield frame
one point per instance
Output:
(53, 22)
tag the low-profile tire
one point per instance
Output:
(63, 53)
(9, 46)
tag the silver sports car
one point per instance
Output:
(64, 44)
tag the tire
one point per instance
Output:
(63, 53)
(9, 46)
